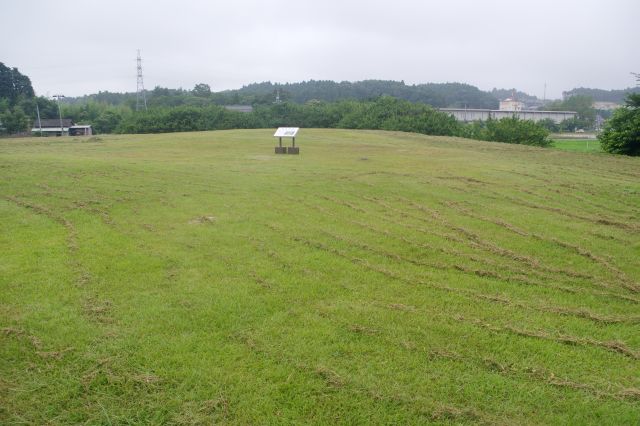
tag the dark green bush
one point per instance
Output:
(621, 133)
(509, 130)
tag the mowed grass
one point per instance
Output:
(377, 278)
(578, 145)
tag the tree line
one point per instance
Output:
(617, 96)
(177, 110)
(383, 113)
(16, 99)
(452, 95)
(439, 95)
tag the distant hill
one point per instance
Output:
(439, 95)
(600, 95)
(109, 98)
(454, 95)
(502, 94)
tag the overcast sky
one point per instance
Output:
(80, 47)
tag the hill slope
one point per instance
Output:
(377, 278)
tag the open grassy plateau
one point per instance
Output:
(379, 277)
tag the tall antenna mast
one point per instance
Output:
(141, 100)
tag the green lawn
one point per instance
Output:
(579, 145)
(379, 277)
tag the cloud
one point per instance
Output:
(78, 47)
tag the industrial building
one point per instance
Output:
(466, 115)
(509, 107)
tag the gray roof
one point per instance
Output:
(52, 122)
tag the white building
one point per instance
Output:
(511, 104)
(605, 106)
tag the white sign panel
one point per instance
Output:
(286, 132)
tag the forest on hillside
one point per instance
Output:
(600, 95)
(439, 95)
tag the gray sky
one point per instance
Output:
(78, 47)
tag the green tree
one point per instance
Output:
(570, 124)
(202, 90)
(621, 133)
(14, 85)
(581, 104)
(4, 105)
(15, 121)
(160, 91)
(47, 107)
(107, 122)
(549, 124)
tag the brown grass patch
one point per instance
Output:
(361, 329)
(98, 310)
(259, 280)
(630, 393)
(613, 346)
(401, 307)
(448, 413)
(343, 203)
(330, 377)
(202, 220)
(10, 331)
(54, 354)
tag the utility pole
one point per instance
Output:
(39, 121)
(141, 99)
(60, 113)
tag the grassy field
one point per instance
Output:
(578, 145)
(377, 278)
